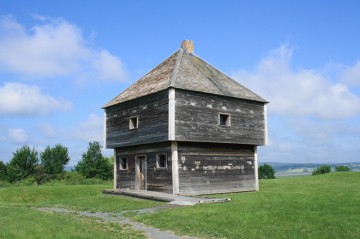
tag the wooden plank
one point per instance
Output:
(157, 179)
(205, 168)
(152, 113)
(197, 119)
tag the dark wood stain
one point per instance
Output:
(152, 113)
(197, 119)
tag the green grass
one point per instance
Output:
(79, 197)
(18, 222)
(324, 206)
(20, 219)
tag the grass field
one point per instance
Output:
(20, 219)
(324, 206)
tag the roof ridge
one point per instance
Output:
(176, 68)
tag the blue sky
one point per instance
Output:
(61, 62)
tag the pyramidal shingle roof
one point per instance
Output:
(184, 70)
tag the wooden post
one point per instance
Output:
(115, 167)
(266, 125)
(175, 167)
(171, 114)
(256, 169)
(104, 130)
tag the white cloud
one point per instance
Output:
(304, 92)
(351, 74)
(22, 100)
(48, 131)
(18, 136)
(54, 48)
(91, 130)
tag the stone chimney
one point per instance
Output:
(188, 46)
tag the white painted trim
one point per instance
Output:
(104, 130)
(171, 122)
(115, 167)
(256, 169)
(266, 140)
(175, 167)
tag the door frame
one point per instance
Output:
(140, 168)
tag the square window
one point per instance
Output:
(161, 161)
(224, 120)
(123, 164)
(133, 123)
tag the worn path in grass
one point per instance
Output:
(150, 232)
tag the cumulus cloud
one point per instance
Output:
(305, 92)
(18, 136)
(53, 48)
(351, 74)
(91, 129)
(23, 100)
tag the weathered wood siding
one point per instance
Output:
(158, 179)
(152, 113)
(196, 119)
(206, 168)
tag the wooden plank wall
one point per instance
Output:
(197, 119)
(158, 179)
(152, 111)
(215, 168)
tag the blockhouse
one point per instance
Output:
(186, 128)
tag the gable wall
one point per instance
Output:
(152, 112)
(196, 119)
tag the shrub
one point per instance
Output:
(54, 159)
(23, 164)
(3, 171)
(322, 170)
(266, 172)
(341, 168)
(29, 181)
(4, 184)
(93, 164)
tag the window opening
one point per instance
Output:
(123, 164)
(224, 120)
(133, 123)
(161, 161)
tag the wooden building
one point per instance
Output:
(186, 128)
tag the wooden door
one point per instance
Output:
(140, 174)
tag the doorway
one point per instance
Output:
(140, 172)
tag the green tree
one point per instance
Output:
(322, 170)
(266, 172)
(23, 164)
(341, 168)
(93, 164)
(54, 159)
(3, 171)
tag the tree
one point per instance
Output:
(3, 171)
(23, 164)
(341, 168)
(93, 164)
(266, 172)
(322, 170)
(54, 159)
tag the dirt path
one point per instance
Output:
(149, 232)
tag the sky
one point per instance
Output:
(61, 61)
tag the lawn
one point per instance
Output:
(20, 219)
(324, 206)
